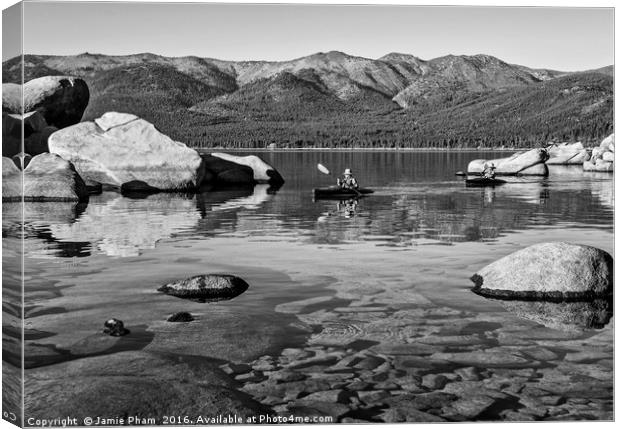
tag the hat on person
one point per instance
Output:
(347, 171)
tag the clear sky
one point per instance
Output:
(558, 38)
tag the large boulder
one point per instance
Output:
(227, 173)
(60, 99)
(567, 154)
(261, 171)
(47, 177)
(553, 271)
(119, 148)
(207, 287)
(531, 162)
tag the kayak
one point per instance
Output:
(483, 181)
(338, 192)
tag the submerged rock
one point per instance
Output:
(135, 384)
(531, 162)
(47, 177)
(206, 287)
(119, 148)
(553, 271)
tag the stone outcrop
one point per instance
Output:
(531, 162)
(60, 99)
(47, 177)
(567, 154)
(602, 158)
(206, 287)
(119, 148)
(552, 271)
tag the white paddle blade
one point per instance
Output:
(322, 169)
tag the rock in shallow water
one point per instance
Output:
(553, 271)
(206, 287)
(47, 177)
(181, 316)
(114, 328)
(531, 162)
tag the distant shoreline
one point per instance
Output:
(313, 149)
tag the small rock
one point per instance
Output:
(251, 377)
(586, 356)
(286, 376)
(181, 316)
(373, 396)
(409, 415)
(434, 381)
(472, 406)
(515, 416)
(358, 385)
(236, 368)
(350, 420)
(115, 328)
(469, 373)
(265, 363)
(304, 407)
(331, 396)
(370, 363)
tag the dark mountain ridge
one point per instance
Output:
(337, 99)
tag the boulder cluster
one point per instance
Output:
(602, 158)
(534, 162)
(59, 158)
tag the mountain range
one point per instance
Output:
(333, 99)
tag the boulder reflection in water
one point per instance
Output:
(572, 316)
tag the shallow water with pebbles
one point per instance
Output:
(364, 316)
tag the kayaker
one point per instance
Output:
(347, 181)
(489, 170)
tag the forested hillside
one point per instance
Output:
(336, 100)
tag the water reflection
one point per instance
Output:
(564, 316)
(417, 200)
(117, 225)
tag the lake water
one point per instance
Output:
(330, 278)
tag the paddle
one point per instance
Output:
(325, 170)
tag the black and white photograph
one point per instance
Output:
(306, 213)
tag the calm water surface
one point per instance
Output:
(421, 231)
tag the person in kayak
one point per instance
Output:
(347, 181)
(489, 170)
